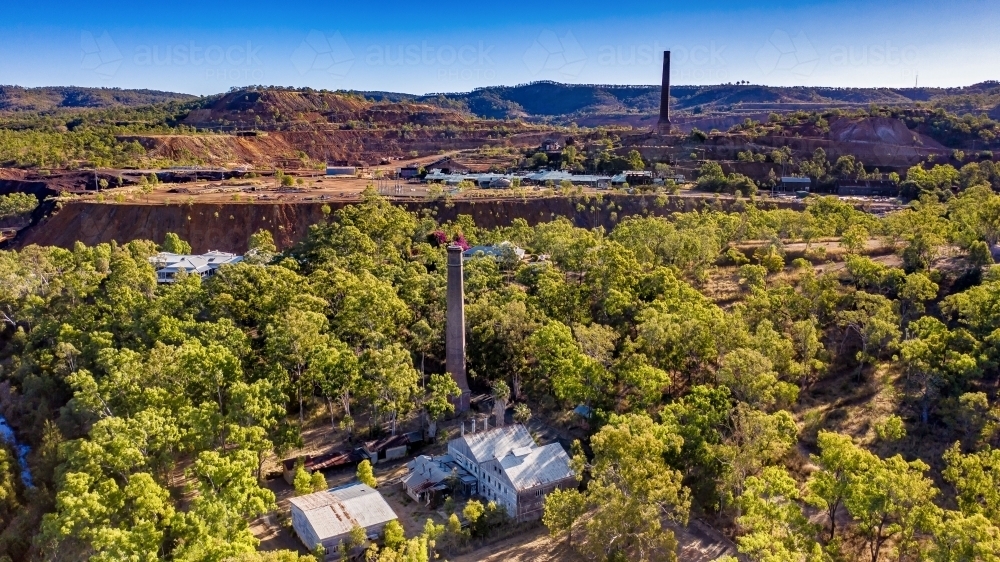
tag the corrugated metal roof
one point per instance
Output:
(425, 470)
(525, 464)
(335, 512)
(327, 516)
(496, 443)
(364, 504)
(540, 466)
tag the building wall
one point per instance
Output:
(531, 502)
(303, 529)
(494, 486)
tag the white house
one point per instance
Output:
(168, 265)
(327, 517)
(499, 251)
(512, 470)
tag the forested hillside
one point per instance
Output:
(564, 102)
(836, 406)
(17, 98)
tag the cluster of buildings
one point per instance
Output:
(499, 464)
(542, 178)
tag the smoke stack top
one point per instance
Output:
(664, 123)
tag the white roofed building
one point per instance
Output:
(512, 469)
(204, 265)
(327, 517)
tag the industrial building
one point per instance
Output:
(326, 518)
(511, 469)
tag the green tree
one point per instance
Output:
(17, 204)
(631, 487)
(892, 499)
(635, 161)
(874, 322)
(975, 477)
(840, 463)
(563, 509)
(318, 482)
(302, 481)
(294, 341)
(261, 248)
(173, 244)
(773, 525)
(936, 358)
(366, 475)
(442, 391)
(393, 535)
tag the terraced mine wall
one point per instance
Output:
(228, 226)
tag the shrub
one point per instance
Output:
(890, 429)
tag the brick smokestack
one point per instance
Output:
(455, 326)
(663, 125)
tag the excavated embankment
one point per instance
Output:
(228, 226)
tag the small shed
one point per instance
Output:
(867, 188)
(330, 459)
(341, 171)
(408, 172)
(789, 183)
(449, 166)
(387, 448)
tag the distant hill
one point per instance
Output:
(17, 98)
(281, 108)
(556, 102)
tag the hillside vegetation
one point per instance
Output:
(17, 98)
(565, 102)
(151, 409)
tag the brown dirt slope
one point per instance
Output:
(879, 130)
(228, 226)
(320, 145)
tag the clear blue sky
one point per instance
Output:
(209, 46)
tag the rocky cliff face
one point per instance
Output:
(228, 226)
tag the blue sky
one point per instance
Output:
(207, 47)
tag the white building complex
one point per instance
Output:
(327, 518)
(168, 265)
(512, 470)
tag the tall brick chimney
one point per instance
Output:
(455, 326)
(663, 125)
